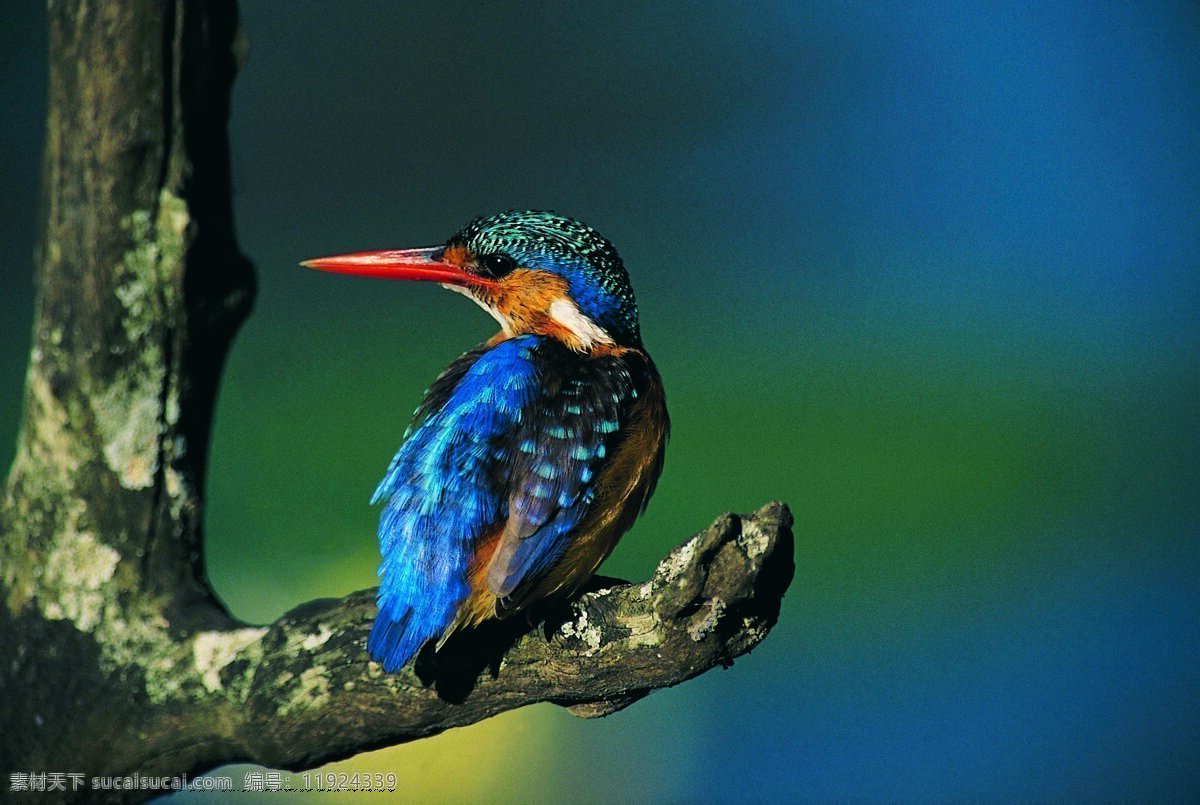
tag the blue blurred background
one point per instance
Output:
(928, 272)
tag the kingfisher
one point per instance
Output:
(531, 454)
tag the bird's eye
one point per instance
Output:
(496, 265)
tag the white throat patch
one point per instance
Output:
(567, 313)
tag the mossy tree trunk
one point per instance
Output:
(115, 656)
(140, 289)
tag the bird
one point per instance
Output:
(530, 455)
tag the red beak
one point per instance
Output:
(396, 264)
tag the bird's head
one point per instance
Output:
(536, 272)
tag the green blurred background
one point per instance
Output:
(928, 272)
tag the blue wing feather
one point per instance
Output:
(441, 494)
(509, 436)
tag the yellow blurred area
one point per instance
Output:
(497, 753)
(470, 764)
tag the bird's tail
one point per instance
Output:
(392, 643)
(416, 604)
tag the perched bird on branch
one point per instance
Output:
(531, 454)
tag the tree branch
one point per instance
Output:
(117, 656)
(312, 698)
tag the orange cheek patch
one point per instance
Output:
(532, 289)
(525, 296)
(458, 254)
(523, 300)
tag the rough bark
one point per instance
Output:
(115, 656)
